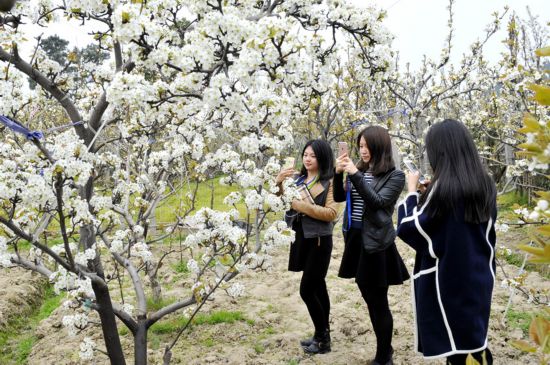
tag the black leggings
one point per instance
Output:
(381, 319)
(460, 359)
(313, 288)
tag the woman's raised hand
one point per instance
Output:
(339, 166)
(344, 163)
(285, 174)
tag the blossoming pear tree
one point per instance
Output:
(191, 87)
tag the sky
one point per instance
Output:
(420, 26)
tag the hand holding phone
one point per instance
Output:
(290, 162)
(342, 148)
(412, 168)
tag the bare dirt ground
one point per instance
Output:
(19, 289)
(277, 320)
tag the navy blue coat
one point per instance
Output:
(453, 278)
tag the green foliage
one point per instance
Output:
(56, 48)
(506, 202)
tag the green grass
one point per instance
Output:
(154, 305)
(174, 324)
(181, 267)
(208, 342)
(218, 317)
(518, 319)
(516, 258)
(259, 348)
(166, 212)
(17, 339)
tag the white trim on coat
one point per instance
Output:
(443, 314)
(404, 200)
(424, 272)
(417, 212)
(413, 296)
(489, 225)
(454, 352)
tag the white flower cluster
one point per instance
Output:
(193, 266)
(236, 290)
(5, 256)
(117, 242)
(87, 347)
(142, 251)
(213, 227)
(75, 323)
(233, 198)
(501, 227)
(278, 234)
(75, 286)
(82, 258)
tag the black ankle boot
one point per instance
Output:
(307, 342)
(388, 362)
(320, 344)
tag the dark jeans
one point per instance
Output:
(313, 288)
(381, 319)
(460, 359)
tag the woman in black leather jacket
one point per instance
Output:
(371, 190)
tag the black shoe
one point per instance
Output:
(307, 342)
(320, 344)
(389, 362)
(318, 348)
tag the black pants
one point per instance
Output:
(460, 359)
(380, 316)
(313, 288)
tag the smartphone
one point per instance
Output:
(342, 148)
(290, 162)
(412, 168)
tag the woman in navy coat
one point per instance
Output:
(450, 225)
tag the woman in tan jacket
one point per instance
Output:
(312, 218)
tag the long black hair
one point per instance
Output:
(459, 178)
(324, 156)
(379, 145)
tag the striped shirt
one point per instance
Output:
(357, 201)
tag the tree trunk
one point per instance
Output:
(108, 325)
(151, 270)
(102, 295)
(140, 344)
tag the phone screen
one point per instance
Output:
(412, 168)
(342, 148)
(289, 163)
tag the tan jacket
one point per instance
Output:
(326, 213)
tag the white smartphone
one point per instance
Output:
(290, 162)
(412, 168)
(342, 148)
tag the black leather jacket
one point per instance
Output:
(380, 197)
